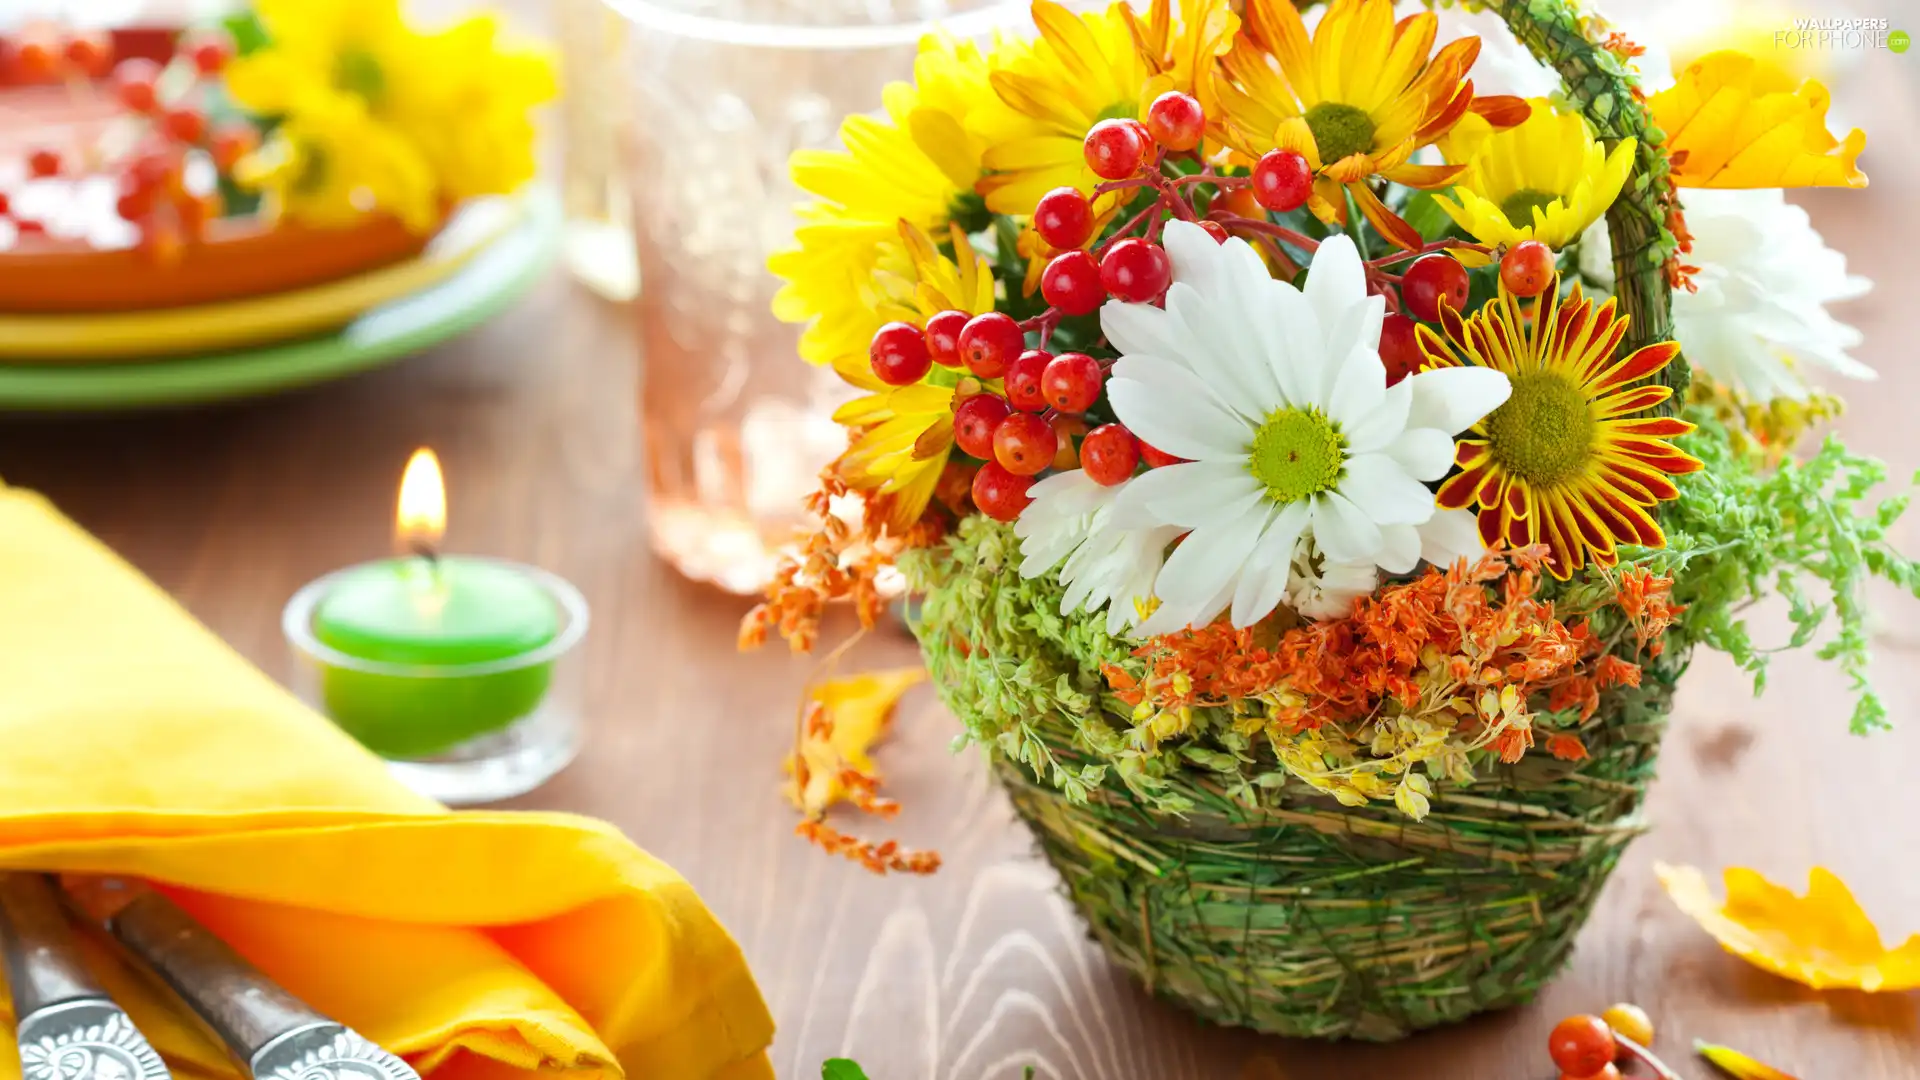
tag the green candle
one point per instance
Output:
(414, 617)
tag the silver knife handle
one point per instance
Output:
(244, 1008)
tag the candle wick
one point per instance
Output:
(425, 550)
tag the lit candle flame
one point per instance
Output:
(420, 520)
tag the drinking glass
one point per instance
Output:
(736, 426)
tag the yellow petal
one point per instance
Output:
(1822, 939)
(858, 710)
(1738, 1065)
(1741, 123)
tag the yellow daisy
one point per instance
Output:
(916, 163)
(329, 164)
(904, 434)
(1733, 121)
(1356, 99)
(1545, 180)
(1083, 69)
(1573, 459)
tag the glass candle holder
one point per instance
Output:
(736, 426)
(462, 733)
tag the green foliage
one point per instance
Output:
(841, 1069)
(1741, 530)
(246, 30)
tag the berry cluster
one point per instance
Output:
(1587, 1047)
(164, 127)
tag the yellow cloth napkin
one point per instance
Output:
(475, 944)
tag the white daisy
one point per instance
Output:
(1759, 319)
(1071, 520)
(1323, 589)
(1279, 399)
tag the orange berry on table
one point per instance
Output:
(1582, 1045)
(135, 83)
(44, 162)
(1611, 1072)
(1024, 444)
(185, 124)
(91, 52)
(1527, 268)
(1630, 1021)
(209, 50)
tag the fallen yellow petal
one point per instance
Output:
(1733, 121)
(1738, 1065)
(858, 710)
(1822, 939)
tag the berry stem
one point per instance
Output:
(1122, 185)
(1123, 231)
(1635, 1050)
(1279, 232)
(1181, 207)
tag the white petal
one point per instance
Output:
(1143, 330)
(1166, 405)
(1296, 352)
(1227, 358)
(1263, 582)
(1196, 259)
(1384, 492)
(1208, 561)
(1336, 280)
(1399, 548)
(1383, 424)
(1359, 389)
(1132, 509)
(1358, 327)
(1449, 536)
(1426, 453)
(1344, 533)
(1210, 492)
(1454, 399)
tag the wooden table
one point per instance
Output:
(983, 969)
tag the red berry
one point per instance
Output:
(136, 199)
(186, 125)
(1136, 270)
(1176, 121)
(230, 142)
(1115, 148)
(1582, 1045)
(1433, 280)
(943, 337)
(1023, 381)
(1215, 230)
(6, 204)
(44, 162)
(1109, 454)
(1399, 349)
(210, 50)
(1071, 282)
(90, 51)
(899, 354)
(1156, 458)
(990, 342)
(30, 227)
(37, 59)
(1072, 382)
(1000, 494)
(154, 166)
(1063, 218)
(134, 83)
(974, 421)
(1282, 181)
(1024, 444)
(1527, 268)
(195, 211)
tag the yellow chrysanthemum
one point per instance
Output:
(917, 163)
(1546, 180)
(1083, 69)
(447, 111)
(1572, 459)
(1733, 121)
(1356, 99)
(905, 433)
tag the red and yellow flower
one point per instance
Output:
(1574, 459)
(1356, 98)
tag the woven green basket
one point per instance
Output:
(1305, 917)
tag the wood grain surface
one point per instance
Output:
(983, 969)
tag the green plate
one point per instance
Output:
(490, 281)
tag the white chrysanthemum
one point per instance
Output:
(1071, 520)
(1323, 589)
(1759, 318)
(1279, 399)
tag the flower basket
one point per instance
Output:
(1326, 652)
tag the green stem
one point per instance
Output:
(1354, 218)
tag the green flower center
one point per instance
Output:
(1544, 432)
(1339, 131)
(1519, 206)
(1297, 453)
(357, 72)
